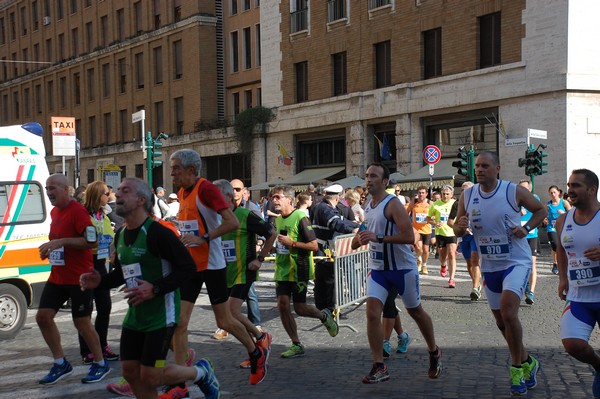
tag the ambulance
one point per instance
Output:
(24, 223)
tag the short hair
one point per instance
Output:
(287, 190)
(468, 184)
(422, 188)
(188, 157)
(493, 155)
(225, 186)
(447, 187)
(589, 177)
(142, 190)
(386, 171)
(302, 198)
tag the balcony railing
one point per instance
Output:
(299, 20)
(336, 9)
(378, 3)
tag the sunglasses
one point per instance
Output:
(238, 189)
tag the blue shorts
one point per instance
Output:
(406, 281)
(512, 279)
(468, 245)
(578, 320)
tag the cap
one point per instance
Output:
(160, 188)
(334, 189)
(173, 195)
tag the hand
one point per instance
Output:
(139, 294)
(592, 253)
(284, 240)
(90, 280)
(254, 265)
(48, 247)
(191, 239)
(563, 288)
(519, 232)
(365, 237)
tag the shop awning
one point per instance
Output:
(443, 174)
(308, 176)
(350, 181)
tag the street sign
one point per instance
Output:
(517, 141)
(63, 136)
(138, 116)
(537, 134)
(431, 169)
(432, 155)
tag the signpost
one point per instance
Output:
(140, 116)
(431, 155)
(63, 138)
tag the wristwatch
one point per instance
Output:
(206, 237)
(527, 227)
(156, 290)
(260, 258)
(380, 238)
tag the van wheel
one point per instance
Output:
(13, 311)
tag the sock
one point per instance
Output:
(380, 365)
(101, 362)
(296, 343)
(404, 335)
(436, 352)
(255, 354)
(419, 258)
(60, 361)
(199, 373)
(424, 265)
(260, 337)
(516, 367)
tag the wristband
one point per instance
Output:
(526, 227)
(294, 244)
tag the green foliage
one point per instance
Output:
(245, 123)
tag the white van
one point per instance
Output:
(24, 223)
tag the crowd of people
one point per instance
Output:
(164, 249)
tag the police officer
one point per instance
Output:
(327, 222)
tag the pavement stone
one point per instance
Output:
(475, 356)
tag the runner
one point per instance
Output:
(444, 236)
(418, 210)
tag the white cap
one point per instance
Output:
(173, 196)
(334, 189)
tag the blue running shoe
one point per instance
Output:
(387, 349)
(209, 385)
(596, 386)
(403, 342)
(517, 382)
(97, 373)
(530, 371)
(57, 373)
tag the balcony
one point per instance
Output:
(299, 20)
(336, 10)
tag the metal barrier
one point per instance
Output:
(351, 267)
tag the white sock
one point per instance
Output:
(60, 361)
(199, 373)
(101, 362)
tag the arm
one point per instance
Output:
(306, 233)
(258, 226)
(533, 205)
(561, 259)
(461, 223)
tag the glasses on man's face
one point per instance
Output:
(238, 189)
(397, 191)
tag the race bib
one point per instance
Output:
(420, 217)
(494, 247)
(189, 227)
(57, 257)
(282, 249)
(376, 255)
(103, 246)
(228, 247)
(131, 272)
(444, 217)
(584, 272)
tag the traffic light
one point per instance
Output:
(156, 152)
(540, 155)
(529, 161)
(534, 161)
(462, 165)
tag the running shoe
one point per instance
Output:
(451, 284)
(96, 373)
(424, 270)
(596, 386)
(377, 374)
(387, 349)
(258, 366)
(476, 293)
(209, 384)
(246, 364)
(265, 341)
(220, 334)
(294, 351)
(530, 371)
(435, 363)
(330, 323)
(88, 359)
(444, 271)
(517, 382)
(554, 268)
(109, 354)
(403, 342)
(120, 388)
(189, 357)
(419, 266)
(57, 373)
(530, 298)
(176, 392)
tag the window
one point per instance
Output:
(35, 15)
(247, 48)
(107, 126)
(138, 17)
(26, 58)
(60, 9)
(75, 41)
(16, 107)
(339, 73)
(4, 69)
(104, 30)
(47, 8)
(257, 41)
(235, 103)
(2, 31)
(432, 53)
(177, 10)
(322, 152)
(301, 69)
(156, 14)
(234, 52)
(89, 37)
(383, 64)
(160, 117)
(336, 9)
(139, 170)
(63, 92)
(91, 175)
(87, 3)
(50, 94)
(26, 101)
(49, 50)
(378, 3)
(489, 40)
(177, 60)
(228, 167)
(76, 88)
(37, 90)
(33, 209)
(179, 115)
(139, 70)
(299, 15)
(15, 65)
(387, 134)
(247, 99)
(91, 84)
(36, 55)
(24, 23)
(233, 7)
(123, 125)
(122, 75)
(61, 47)
(13, 27)
(120, 24)
(158, 69)
(92, 136)
(258, 97)
(5, 114)
(106, 80)
(74, 6)
(245, 5)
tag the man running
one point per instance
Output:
(492, 207)
(578, 254)
(444, 236)
(390, 235)
(418, 209)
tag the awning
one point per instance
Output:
(266, 185)
(308, 176)
(443, 174)
(396, 177)
(350, 181)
